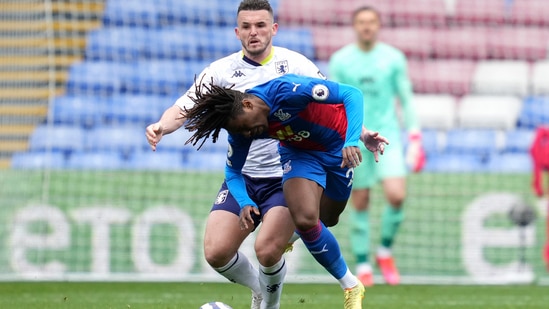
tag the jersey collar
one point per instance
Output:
(257, 64)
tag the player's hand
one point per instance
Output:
(154, 134)
(415, 155)
(351, 157)
(374, 142)
(245, 219)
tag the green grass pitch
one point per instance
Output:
(59, 295)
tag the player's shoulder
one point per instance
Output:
(282, 52)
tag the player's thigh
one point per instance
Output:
(276, 229)
(395, 190)
(338, 189)
(392, 164)
(222, 237)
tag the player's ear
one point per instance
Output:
(275, 28)
(247, 103)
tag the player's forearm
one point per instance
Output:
(237, 187)
(353, 101)
(172, 119)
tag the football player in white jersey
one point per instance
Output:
(258, 62)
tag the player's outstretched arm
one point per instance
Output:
(374, 142)
(171, 120)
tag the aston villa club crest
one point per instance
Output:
(282, 67)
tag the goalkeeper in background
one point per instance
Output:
(380, 71)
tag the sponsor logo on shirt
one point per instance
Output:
(280, 114)
(238, 73)
(282, 67)
(288, 134)
(320, 92)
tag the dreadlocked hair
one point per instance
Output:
(213, 107)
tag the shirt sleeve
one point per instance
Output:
(308, 68)
(353, 102)
(403, 88)
(236, 157)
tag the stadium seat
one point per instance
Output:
(535, 112)
(530, 12)
(85, 111)
(413, 42)
(493, 12)
(540, 78)
(489, 112)
(159, 160)
(96, 160)
(65, 138)
(345, 9)
(124, 139)
(136, 109)
(454, 163)
(328, 40)
(442, 76)
(97, 78)
(461, 43)
(221, 145)
(419, 13)
(522, 43)
(519, 140)
(297, 39)
(510, 163)
(495, 77)
(38, 160)
(436, 111)
(432, 140)
(473, 141)
(130, 13)
(324, 67)
(308, 12)
(206, 161)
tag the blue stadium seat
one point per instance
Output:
(430, 140)
(221, 145)
(297, 39)
(519, 140)
(510, 163)
(136, 109)
(97, 78)
(218, 42)
(454, 163)
(38, 160)
(96, 160)
(124, 139)
(175, 141)
(116, 44)
(475, 141)
(58, 138)
(159, 160)
(535, 112)
(85, 111)
(130, 13)
(206, 161)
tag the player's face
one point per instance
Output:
(366, 25)
(250, 123)
(255, 30)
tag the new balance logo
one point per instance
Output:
(238, 73)
(273, 288)
(321, 251)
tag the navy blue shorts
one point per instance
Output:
(265, 192)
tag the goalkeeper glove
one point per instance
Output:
(415, 155)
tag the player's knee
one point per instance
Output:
(216, 257)
(269, 253)
(396, 199)
(304, 223)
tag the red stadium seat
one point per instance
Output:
(414, 42)
(442, 76)
(345, 9)
(329, 39)
(480, 11)
(419, 13)
(307, 12)
(523, 43)
(462, 42)
(530, 12)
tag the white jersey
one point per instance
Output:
(263, 159)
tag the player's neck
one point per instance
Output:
(260, 57)
(367, 46)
